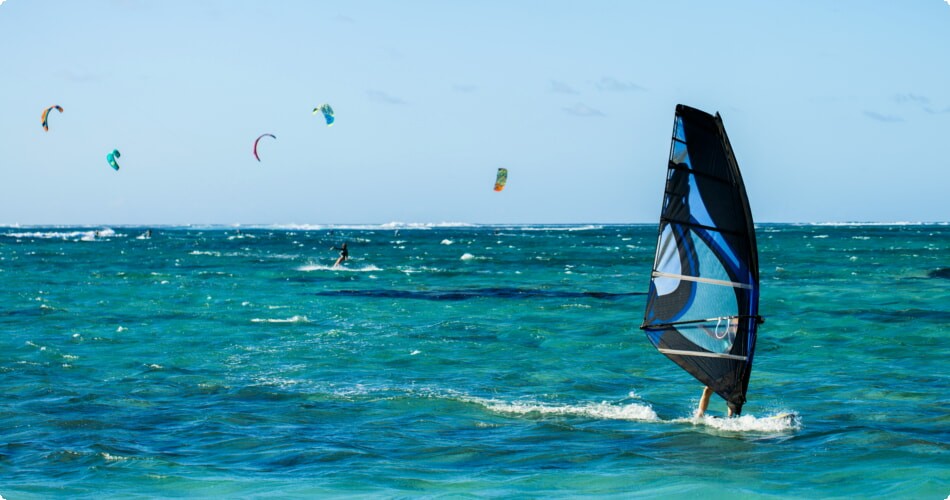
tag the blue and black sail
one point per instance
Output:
(703, 305)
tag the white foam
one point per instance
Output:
(368, 227)
(602, 410)
(446, 242)
(467, 256)
(321, 267)
(587, 227)
(89, 235)
(856, 224)
(779, 422)
(113, 458)
(292, 319)
(424, 225)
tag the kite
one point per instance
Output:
(327, 113)
(111, 159)
(46, 115)
(259, 140)
(501, 179)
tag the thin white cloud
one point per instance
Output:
(912, 98)
(883, 118)
(610, 84)
(380, 96)
(923, 102)
(562, 88)
(581, 109)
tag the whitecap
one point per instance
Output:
(779, 422)
(292, 319)
(90, 235)
(587, 227)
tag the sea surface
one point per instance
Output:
(458, 361)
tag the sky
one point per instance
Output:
(837, 110)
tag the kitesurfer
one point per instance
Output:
(344, 254)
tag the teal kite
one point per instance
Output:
(327, 113)
(501, 178)
(45, 116)
(111, 159)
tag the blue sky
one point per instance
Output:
(838, 111)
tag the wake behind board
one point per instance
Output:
(781, 422)
(781, 417)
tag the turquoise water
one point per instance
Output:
(453, 361)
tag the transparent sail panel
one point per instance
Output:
(710, 263)
(678, 132)
(715, 336)
(667, 254)
(705, 300)
(679, 155)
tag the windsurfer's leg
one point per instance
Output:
(704, 401)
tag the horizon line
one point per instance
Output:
(436, 225)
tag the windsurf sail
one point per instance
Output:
(703, 304)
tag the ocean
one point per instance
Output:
(458, 360)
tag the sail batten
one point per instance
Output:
(703, 354)
(658, 274)
(702, 307)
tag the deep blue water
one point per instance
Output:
(454, 361)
